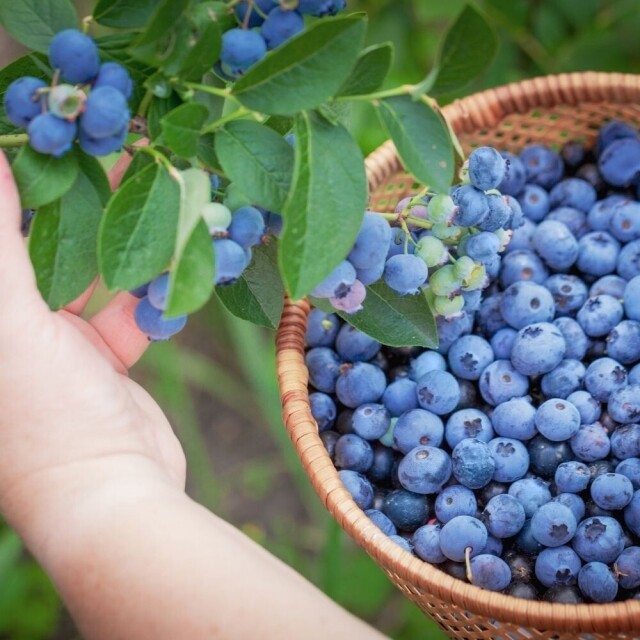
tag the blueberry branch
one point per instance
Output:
(234, 115)
(163, 160)
(144, 103)
(13, 140)
(216, 91)
(247, 15)
(418, 222)
(404, 90)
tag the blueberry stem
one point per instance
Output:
(421, 88)
(161, 158)
(467, 562)
(418, 222)
(13, 140)
(234, 115)
(145, 102)
(206, 88)
(405, 89)
(247, 15)
(86, 23)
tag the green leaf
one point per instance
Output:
(204, 12)
(124, 14)
(234, 198)
(62, 242)
(203, 51)
(159, 39)
(258, 159)
(93, 170)
(215, 104)
(139, 161)
(468, 49)
(280, 124)
(181, 128)
(258, 295)
(326, 204)
(137, 234)
(195, 193)
(158, 108)
(34, 22)
(207, 153)
(392, 319)
(370, 71)
(42, 178)
(305, 71)
(172, 50)
(191, 279)
(34, 65)
(422, 139)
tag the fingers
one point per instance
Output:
(78, 305)
(117, 327)
(17, 280)
(94, 338)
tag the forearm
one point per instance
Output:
(160, 566)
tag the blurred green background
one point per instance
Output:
(216, 380)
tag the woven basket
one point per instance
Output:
(550, 110)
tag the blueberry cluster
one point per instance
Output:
(233, 236)
(510, 456)
(448, 244)
(90, 106)
(265, 25)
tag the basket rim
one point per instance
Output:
(485, 109)
(482, 110)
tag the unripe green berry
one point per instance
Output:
(432, 250)
(445, 282)
(441, 209)
(464, 267)
(451, 234)
(387, 438)
(216, 216)
(448, 306)
(477, 279)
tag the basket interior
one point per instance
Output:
(462, 610)
(553, 127)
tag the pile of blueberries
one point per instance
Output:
(265, 25)
(510, 456)
(90, 105)
(233, 235)
(474, 222)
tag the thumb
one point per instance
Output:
(17, 279)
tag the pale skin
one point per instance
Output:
(92, 478)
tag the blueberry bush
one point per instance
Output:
(249, 184)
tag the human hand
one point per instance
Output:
(73, 426)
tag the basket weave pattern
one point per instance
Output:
(550, 110)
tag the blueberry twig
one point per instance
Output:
(206, 88)
(13, 140)
(403, 90)
(234, 115)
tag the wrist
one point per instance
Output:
(51, 509)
